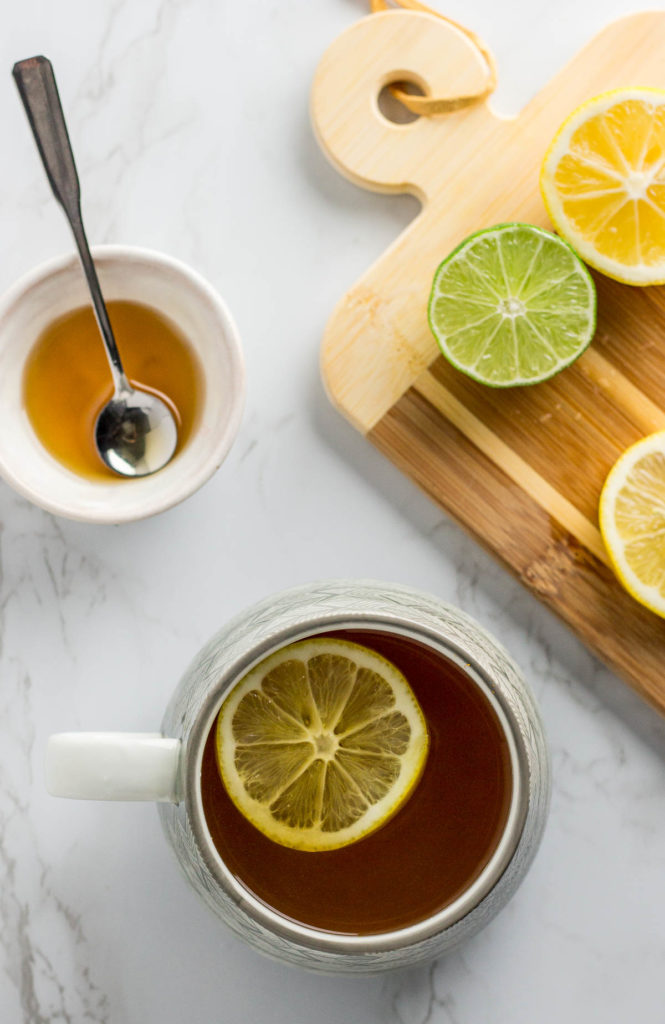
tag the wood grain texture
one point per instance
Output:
(521, 469)
(529, 542)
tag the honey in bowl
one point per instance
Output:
(67, 379)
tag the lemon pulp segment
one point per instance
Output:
(632, 520)
(603, 182)
(321, 743)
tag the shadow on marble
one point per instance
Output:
(338, 192)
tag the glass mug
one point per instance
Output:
(166, 768)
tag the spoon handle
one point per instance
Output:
(37, 88)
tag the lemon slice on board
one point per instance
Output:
(603, 182)
(321, 743)
(512, 304)
(632, 520)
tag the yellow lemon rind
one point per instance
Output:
(647, 596)
(641, 275)
(315, 839)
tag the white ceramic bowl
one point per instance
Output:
(187, 300)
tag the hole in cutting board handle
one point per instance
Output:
(391, 108)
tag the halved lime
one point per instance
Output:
(511, 305)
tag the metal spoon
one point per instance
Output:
(135, 432)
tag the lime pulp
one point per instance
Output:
(512, 305)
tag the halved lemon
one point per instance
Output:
(632, 520)
(321, 743)
(603, 182)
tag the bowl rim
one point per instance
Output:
(148, 505)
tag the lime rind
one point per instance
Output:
(512, 305)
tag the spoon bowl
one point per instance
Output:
(135, 433)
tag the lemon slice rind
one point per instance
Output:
(638, 273)
(621, 483)
(257, 734)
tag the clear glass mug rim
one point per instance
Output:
(462, 905)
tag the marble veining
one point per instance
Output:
(189, 120)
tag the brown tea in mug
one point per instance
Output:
(67, 379)
(422, 858)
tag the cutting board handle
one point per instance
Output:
(395, 45)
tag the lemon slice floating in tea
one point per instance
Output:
(603, 182)
(321, 743)
(632, 520)
(512, 305)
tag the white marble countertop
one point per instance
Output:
(189, 119)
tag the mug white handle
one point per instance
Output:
(113, 766)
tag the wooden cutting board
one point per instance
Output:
(521, 469)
